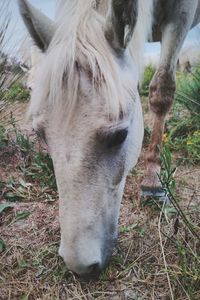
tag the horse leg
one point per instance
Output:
(162, 87)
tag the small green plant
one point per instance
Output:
(16, 190)
(20, 216)
(17, 92)
(5, 206)
(148, 75)
(187, 271)
(188, 91)
(2, 246)
(167, 175)
(41, 170)
(25, 144)
(35, 163)
(147, 136)
(3, 137)
(38, 164)
(193, 146)
(169, 184)
(9, 68)
(184, 125)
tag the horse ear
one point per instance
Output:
(120, 23)
(40, 27)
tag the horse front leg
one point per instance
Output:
(161, 95)
(162, 87)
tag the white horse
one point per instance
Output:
(85, 100)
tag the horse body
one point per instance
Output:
(86, 101)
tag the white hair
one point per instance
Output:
(142, 33)
(79, 45)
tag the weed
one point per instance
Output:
(24, 143)
(15, 190)
(9, 71)
(136, 227)
(193, 145)
(36, 165)
(4, 207)
(147, 136)
(3, 137)
(188, 273)
(21, 216)
(168, 170)
(169, 183)
(189, 90)
(41, 170)
(2, 245)
(184, 126)
(17, 92)
(60, 272)
(148, 75)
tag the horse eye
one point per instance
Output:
(116, 138)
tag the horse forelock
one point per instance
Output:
(79, 48)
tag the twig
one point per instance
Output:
(163, 252)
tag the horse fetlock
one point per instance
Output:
(153, 157)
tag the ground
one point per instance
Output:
(148, 263)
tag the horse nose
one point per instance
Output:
(92, 271)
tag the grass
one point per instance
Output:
(148, 75)
(10, 71)
(187, 251)
(35, 166)
(16, 92)
(183, 132)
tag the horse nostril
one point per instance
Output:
(94, 270)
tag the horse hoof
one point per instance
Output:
(154, 192)
(151, 184)
(151, 187)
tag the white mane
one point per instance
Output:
(142, 33)
(79, 45)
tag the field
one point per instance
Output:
(158, 251)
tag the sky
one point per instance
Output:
(17, 30)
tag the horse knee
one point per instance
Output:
(161, 92)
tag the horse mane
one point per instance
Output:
(79, 45)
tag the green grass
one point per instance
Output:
(35, 165)
(148, 75)
(183, 128)
(3, 137)
(10, 71)
(41, 170)
(17, 92)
